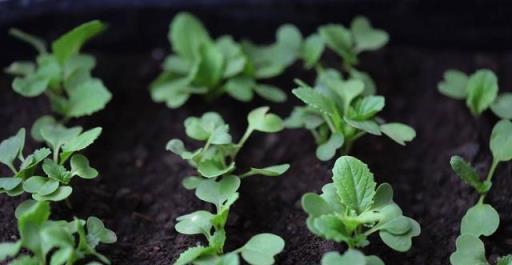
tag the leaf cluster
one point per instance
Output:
(337, 113)
(53, 183)
(54, 242)
(211, 67)
(351, 208)
(350, 257)
(479, 90)
(217, 183)
(64, 74)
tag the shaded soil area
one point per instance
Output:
(138, 193)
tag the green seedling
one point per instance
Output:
(53, 183)
(352, 208)
(43, 241)
(347, 43)
(481, 219)
(350, 257)
(64, 74)
(211, 67)
(479, 90)
(338, 113)
(218, 183)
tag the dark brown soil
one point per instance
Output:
(138, 193)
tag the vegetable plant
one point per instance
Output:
(479, 90)
(54, 242)
(352, 208)
(338, 113)
(62, 74)
(481, 219)
(211, 67)
(217, 183)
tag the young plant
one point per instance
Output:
(351, 208)
(64, 75)
(479, 90)
(218, 183)
(211, 67)
(53, 182)
(338, 113)
(54, 242)
(481, 219)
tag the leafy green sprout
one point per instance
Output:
(481, 219)
(54, 183)
(479, 90)
(54, 242)
(218, 184)
(211, 67)
(337, 113)
(64, 74)
(352, 208)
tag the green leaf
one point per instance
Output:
(314, 99)
(60, 194)
(211, 66)
(56, 171)
(187, 34)
(71, 42)
(97, 232)
(339, 39)
(36, 42)
(312, 50)
(501, 141)
(261, 249)
(39, 124)
(8, 249)
(20, 68)
(505, 260)
(9, 183)
(30, 222)
(354, 183)
(80, 167)
(368, 126)
(348, 91)
(240, 87)
(30, 86)
(262, 121)
(315, 205)
(217, 192)
(270, 93)
(468, 174)
(398, 132)
(470, 250)
(369, 84)
(350, 257)
(383, 196)
(40, 185)
(212, 169)
(482, 89)
(271, 171)
(177, 64)
(176, 146)
(173, 92)
(86, 98)
(191, 182)
(82, 141)
(192, 254)
(327, 150)
(12, 147)
(56, 136)
(198, 222)
(502, 107)
(454, 84)
(367, 107)
(481, 219)
(400, 242)
(366, 37)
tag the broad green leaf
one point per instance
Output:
(60, 194)
(327, 150)
(468, 174)
(330, 195)
(270, 93)
(454, 84)
(12, 147)
(482, 89)
(212, 169)
(339, 39)
(56, 136)
(177, 64)
(82, 141)
(240, 87)
(27, 167)
(9, 183)
(25, 260)
(331, 227)
(20, 68)
(38, 43)
(366, 108)
(383, 196)
(368, 126)
(191, 182)
(350, 257)
(348, 91)
(315, 205)
(8, 249)
(173, 92)
(191, 254)
(24, 207)
(367, 38)
(39, 124)
(262, 121)
(481, 219)
(87, 98)
(505, 260)
(398, 132)
(198, 222)
(261, 249)
(55, 171)
(271, 171)
(97, 232)
(401, 242)
(80, 167)
(40, 185)
(470, 250)
(354, 183)
(62, 255)
(217, 192)
(30, 221)
(187, 34)
(71, 42)
(502, 107)
(79, 62)
(211, 66)
(397, 226)
(30, 86)
(501, 141)
(369, 85)
(312, 50)
(314, 99)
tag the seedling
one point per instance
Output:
(63, 144)
(54, 242)
(351, 208)
(217, 183)
(338, 113)
(211, 67)
(479, 90)
(481, 219)
(64, 75)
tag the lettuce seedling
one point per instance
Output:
(217, 183)
(352, 208)
(53, 182)
(350, 257)
(481, 219)
(64, 75)
(338, 113)
(211, 67)
(479, 90)
(54, 242)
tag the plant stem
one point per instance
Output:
(488, 179)
(242, 141)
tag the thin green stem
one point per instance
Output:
(242, 141)
(12, 168)
(494, 165)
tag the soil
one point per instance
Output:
(138, 193)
